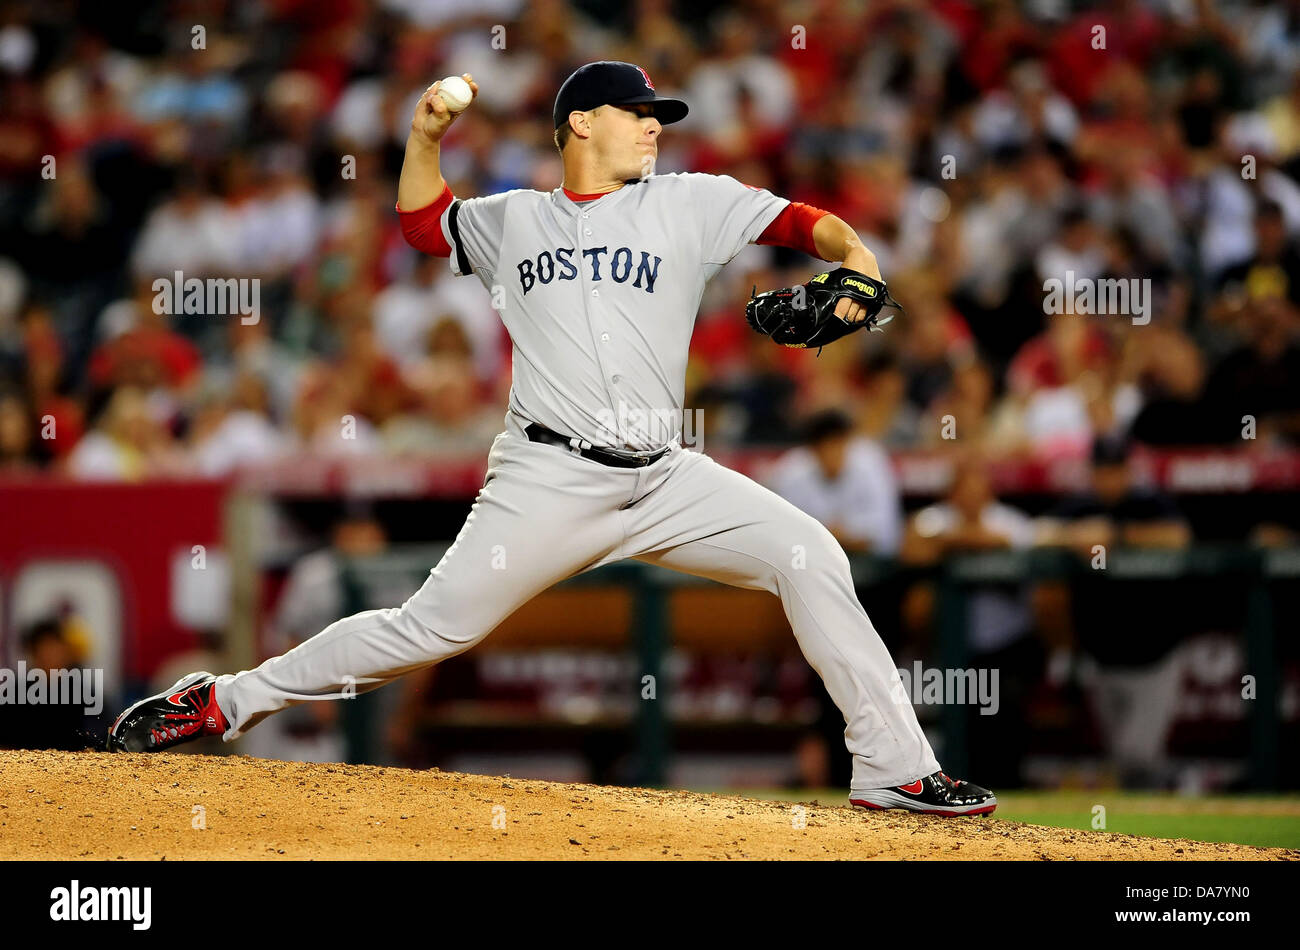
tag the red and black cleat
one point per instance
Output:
(935, 794)
(186, 711)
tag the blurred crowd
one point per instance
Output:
(979, 148)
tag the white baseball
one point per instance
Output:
(456, 93)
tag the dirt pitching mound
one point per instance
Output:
(96, 805)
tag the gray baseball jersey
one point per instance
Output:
(600, 299)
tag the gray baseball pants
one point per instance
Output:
(545, 514)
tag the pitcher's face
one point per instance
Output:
(626, 139)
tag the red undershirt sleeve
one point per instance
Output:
(422, 227)
(793, 228)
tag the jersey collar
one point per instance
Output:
(582, 199)
(573, 203)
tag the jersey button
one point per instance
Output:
(616, 379)
(604, 338)
(595, 293)
(588, 231)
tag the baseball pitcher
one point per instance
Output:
(598, 283)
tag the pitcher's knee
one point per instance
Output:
(814, 551)
(441, 634)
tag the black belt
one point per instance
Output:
(539, 433)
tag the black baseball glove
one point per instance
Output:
(804, 316)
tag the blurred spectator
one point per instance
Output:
(972, 519)
(935, 339)
(61, 417)
(252, 351)
(753, 405)
(26, 135)
(1134, 207)
(18, 453)
(1044, 198)
(1257, 382)
(1174, 412)
(883, 413)
(1282, 113)
(315, 595)
(844, 481)
(47, 646)
(1273, 270)
(140, 349)
(279, 226)
(191, 233)
(1126, 641)
(406, 311)
(1057, 374)
(1116, 511)
(127, 443)
(72, 248)
(323, 422)
(235, 429)
(966, 410)
(1076, 254)
(448, 416)
(1231, 198)
(735, 74)
(999, 616)
(1026, 110)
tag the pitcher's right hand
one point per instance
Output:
(432, 117)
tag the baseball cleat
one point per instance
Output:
(935, 794)
(186, 711)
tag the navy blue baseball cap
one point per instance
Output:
(609, 82)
